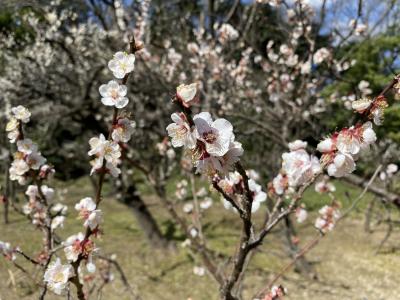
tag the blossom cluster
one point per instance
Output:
(341, 150)
(233, 186)
(211, 143)
(107, 154)
(328, 217)
(7, 251)
(27, 157)
(298, 167)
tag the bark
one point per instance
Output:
(379, 191)
(145, 219)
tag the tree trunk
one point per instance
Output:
(147, 223)
(302, 265)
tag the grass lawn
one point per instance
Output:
(344, 260)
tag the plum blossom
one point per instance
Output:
(88, 212)
(187, 94)
(327, 219)
(57, 221)
(227, 33)
(73, 247)
(301, 214)
(199, 271)
(258, 195)
(57, 276)
(104, 149)
(342, 165)
(324, 186)
(321, 55)
(206, 203)
(276, 293)
(19, 167)
(231, 157)
(298, 165)
(123, 130)
(33, 192)
(35, 160)
(216, 135)
(361, 105)
(114, 94)
(59, 208)
(180, 132)
(280, 184)
(7, 251)
(122, 64)
(26, 146)
(21, 113)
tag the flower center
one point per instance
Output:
(58, 277)
(210, 137)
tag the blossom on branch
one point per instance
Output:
(180, 132)
(57, 276)
(92, 216)
(121, 64)
(187, 94)
(114, 94)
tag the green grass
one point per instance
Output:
(344, 260)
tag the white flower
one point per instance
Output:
(13, 136)
(326, 146)
(26, 146)
(206, 203)
(299, 167)
(104, 148)
(21, 113)
(57, 222)
(280, 184)
(88, 212)
(296, 145)
(227, 33)
(187, 93)
(199, 271)
(180, 132)
(216, 135)
(391, 169)
(12, 124)
(114, 94)
(19, 167)
(348, 141)
(258, 195)
(122, 64)
(320, 55)
(327, 219)
(7, 251)
(113, 169)
(232, 156)
(73, 246)
(32, 192)
(188, 207)
(35, 160)
(59, 209)
(208, 166)
(57, 276)
(342, 165)
(301, 214)
(323, 186)
(368, 134)
(123, 130)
